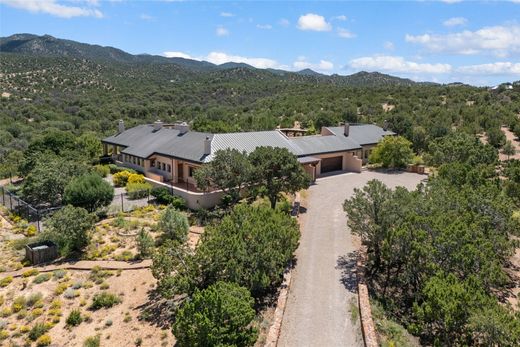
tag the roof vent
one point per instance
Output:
(346, 129)
(121, 126)
(182, 127)
(207, 145)
(157, 125)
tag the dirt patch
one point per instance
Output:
(122, 324)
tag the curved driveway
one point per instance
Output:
(323, 285)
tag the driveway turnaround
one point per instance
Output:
(323, 285)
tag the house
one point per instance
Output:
(168, 154)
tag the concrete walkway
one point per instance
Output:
(85, 265)
(323, 282)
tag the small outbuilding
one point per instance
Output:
(41, 252)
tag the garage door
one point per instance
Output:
(331, 164)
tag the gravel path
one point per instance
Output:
(323, 285)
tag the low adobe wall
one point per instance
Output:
(194, 200)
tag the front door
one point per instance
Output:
(180, 172)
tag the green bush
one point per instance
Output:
(42, 278)
(162, 196)
(88, 191)
(115, 169)
(92, 341)
(102, 170)
(104, 300)
(174, 224)
(37, 330)
(220, 315)
(74, 319)
(138, 190)
(4, 282)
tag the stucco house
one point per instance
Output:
(168, 154)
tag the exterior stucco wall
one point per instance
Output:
(350, 161)
(194, 200)
(366, 150)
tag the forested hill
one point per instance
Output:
(47, 84)
(48, 46)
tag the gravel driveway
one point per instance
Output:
(317, 311)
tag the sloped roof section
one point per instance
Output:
(143, 141)
(362, 134)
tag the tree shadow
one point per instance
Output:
(158, 311)
(348, 266)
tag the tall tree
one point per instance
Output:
(392, 152)
(229, 171)
(276, 171)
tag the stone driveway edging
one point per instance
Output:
(276, 326)
(365, 312)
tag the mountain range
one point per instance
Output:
(49, 46)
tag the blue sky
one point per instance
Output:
(441, 41)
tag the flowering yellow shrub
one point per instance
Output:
(44, 340)
(4, 282)
(135, 178)
(121, 178)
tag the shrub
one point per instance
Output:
(145, 244)
(37, 330)
(92, 341)
(102, 170)
(30, 231)
(18, 304)
(33, 299)
(42, 278)
(138, 190)
(44, 340)
(69, 228)
(3, 335)
(392, 152)
(174, 224)
(60, 288)
(135, 178)
(115, 169)
(220, 315)
(104, 300)
(74, 319)
(89, 191)
(4, 282)
(29, 273)
(162, 196)
(70, 293)
(120, 179)
(58, 274)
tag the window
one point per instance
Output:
(190, 171)
(163, 166)
(169, 168)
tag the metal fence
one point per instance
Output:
(122, 202)
(25, 210)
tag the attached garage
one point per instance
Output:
(331, 164)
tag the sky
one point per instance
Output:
(440, 41)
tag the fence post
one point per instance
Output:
(122, 204)
(38, 220)
(10, 201)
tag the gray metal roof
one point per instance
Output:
(143, 141)
(363, 134)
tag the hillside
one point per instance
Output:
(49, 46)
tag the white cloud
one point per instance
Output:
(301, 63)
(499, 68)
(340, 17)
(226, 14)
(497, 40)
(344, 33)
(313, 22)
(221, 31)
(173, 54)
(221, 58)
(454, 21)
(53, 8)
(389, 45)
(284, 22)
(397, 64)
(145, 16)
(264, 26)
